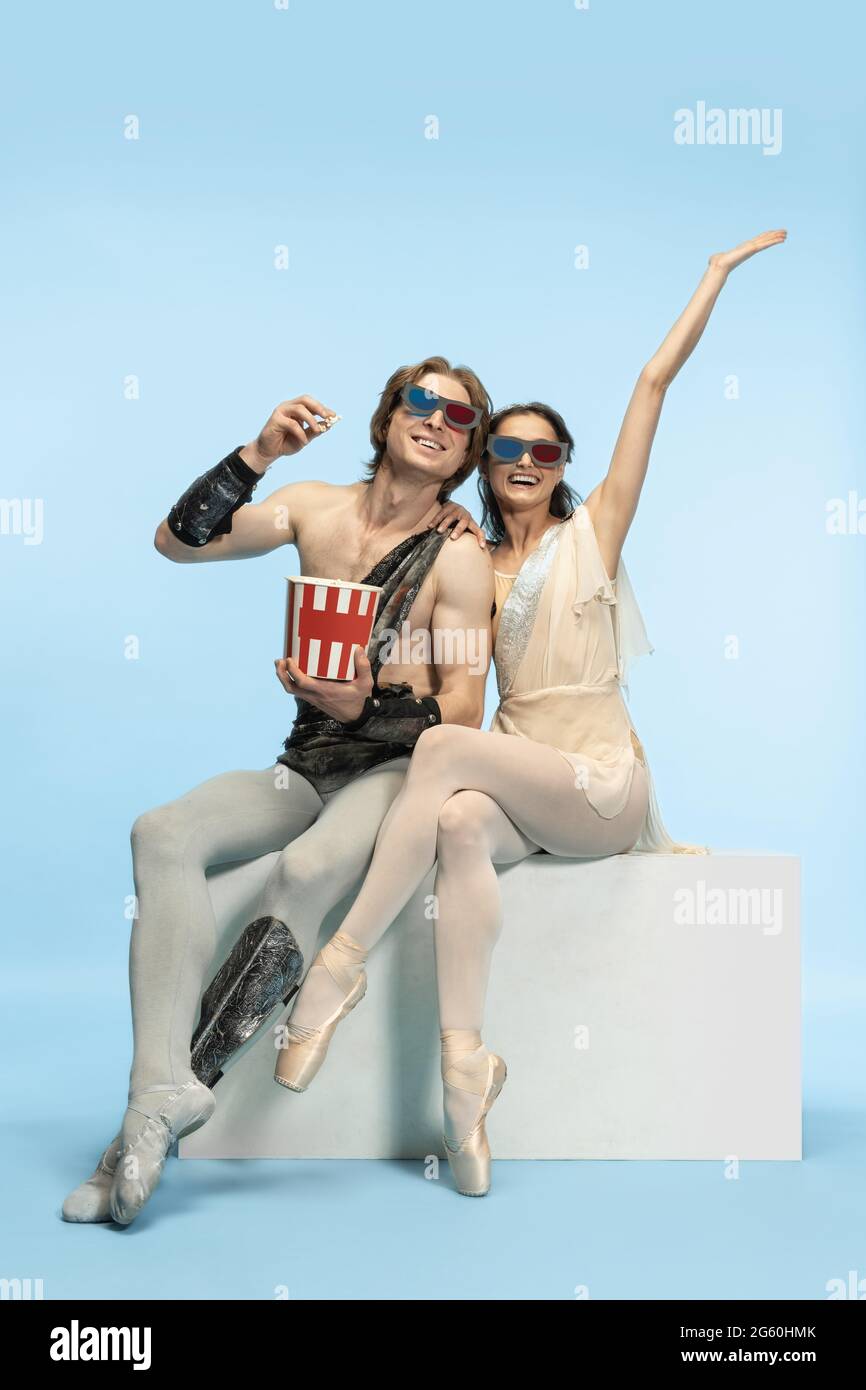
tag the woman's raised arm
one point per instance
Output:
(614, 502)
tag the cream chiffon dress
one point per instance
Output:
(565, 637)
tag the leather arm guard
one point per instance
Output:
(394, 714)
(206, 508)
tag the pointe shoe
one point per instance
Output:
(305, 1049)
(469, 1160)
(147, 1136)
(89, 1202)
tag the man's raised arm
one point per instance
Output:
(213, 518)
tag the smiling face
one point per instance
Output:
(522, 486)
(428, 444)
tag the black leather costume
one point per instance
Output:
(206, 508)
(328, 753)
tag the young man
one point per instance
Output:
(342, 765)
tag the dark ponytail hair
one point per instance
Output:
(563, 499)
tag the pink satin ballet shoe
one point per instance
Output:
(470, 1160)
(304, 1049)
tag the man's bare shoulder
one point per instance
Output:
(317, 491)
(462, 563)
(313, 502)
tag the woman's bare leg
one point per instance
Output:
(531, 783)
(474, 835)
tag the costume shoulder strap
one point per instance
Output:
(400, 575)
(593, 581)
(631, 634)
(591, 577)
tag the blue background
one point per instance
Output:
(154, 258)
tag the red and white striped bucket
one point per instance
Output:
(325, 620)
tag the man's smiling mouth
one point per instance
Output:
(427, 442)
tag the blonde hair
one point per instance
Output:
(390, 399)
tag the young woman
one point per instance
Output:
(560, 770)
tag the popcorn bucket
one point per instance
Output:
(325, 620)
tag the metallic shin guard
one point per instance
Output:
(263, 969)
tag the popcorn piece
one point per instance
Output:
(329, 420)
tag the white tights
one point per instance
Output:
(471, 799)
(326, 847)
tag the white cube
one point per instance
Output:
(647, 1006)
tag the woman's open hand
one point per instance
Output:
(452, 512)
(729, 260)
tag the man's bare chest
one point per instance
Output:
(343, 554)
(338, 550)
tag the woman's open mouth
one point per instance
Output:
(523, 480)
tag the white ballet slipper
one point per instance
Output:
(90, 1201)
(149, 1129)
